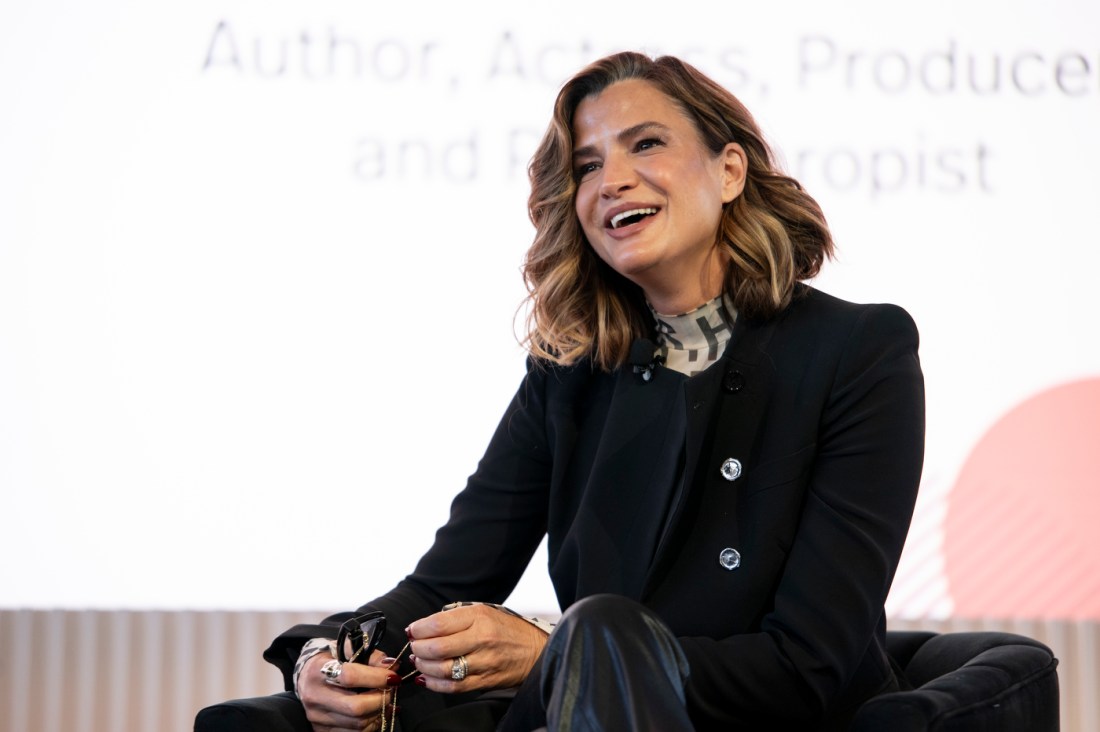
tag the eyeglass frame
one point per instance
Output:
(351, 632)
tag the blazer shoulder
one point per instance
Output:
(553, 387)
(819, 310)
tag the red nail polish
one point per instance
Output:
(393, 679)
(420, 681)
(408, 633)
(389, 661)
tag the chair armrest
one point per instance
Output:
(972, 682)
(276, 713)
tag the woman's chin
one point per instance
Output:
(633, 265)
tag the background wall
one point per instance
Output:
(244, 244)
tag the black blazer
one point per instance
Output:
(822, 406)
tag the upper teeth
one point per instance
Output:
(633, 212)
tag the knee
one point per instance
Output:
(608, 631)
(611, 612)
(614, 621)
(600, 609)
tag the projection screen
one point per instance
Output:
(260, 288)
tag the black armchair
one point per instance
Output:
(963, 682)
(967, 682)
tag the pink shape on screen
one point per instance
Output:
(1022, 534)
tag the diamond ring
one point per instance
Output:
(459, 668)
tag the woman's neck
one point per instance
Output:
(679, 294)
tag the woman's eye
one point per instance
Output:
(586, 168)
(648, 143)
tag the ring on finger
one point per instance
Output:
(459, 668)
(332, 670)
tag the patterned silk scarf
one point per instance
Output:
(692, 341)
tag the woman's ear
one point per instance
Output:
(734, 169)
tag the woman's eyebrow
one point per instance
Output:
(622, 137)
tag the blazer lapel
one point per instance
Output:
(620, 517)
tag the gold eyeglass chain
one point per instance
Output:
(390, 726)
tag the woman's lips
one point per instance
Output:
(616, 220)
(646, 213)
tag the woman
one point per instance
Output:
(725, 460)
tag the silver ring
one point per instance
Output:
(459, 668)
(332, 670)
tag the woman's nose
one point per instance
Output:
(618, 175)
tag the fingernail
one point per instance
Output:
(389, 661)
(420, 681)
(393, 679)
(412, 659)
(409, 633)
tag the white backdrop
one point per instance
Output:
(246, 248)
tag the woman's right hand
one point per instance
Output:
(343, 704)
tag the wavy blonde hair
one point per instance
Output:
(774, 233)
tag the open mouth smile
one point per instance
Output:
(629, 216)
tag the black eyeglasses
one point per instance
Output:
(361, 634)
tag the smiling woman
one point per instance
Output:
(650, 194)
(769, 233)
(710, 446)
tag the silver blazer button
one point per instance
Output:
(730, 558)
(731, 469)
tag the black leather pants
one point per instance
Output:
(611, 664)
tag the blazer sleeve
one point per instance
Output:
(498, 520)
(858, 502)
(495, 525)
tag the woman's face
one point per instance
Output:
(650, 193)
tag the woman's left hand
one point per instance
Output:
(499, 649)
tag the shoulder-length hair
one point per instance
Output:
(774, 233)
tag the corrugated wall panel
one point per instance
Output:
(93, 671)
